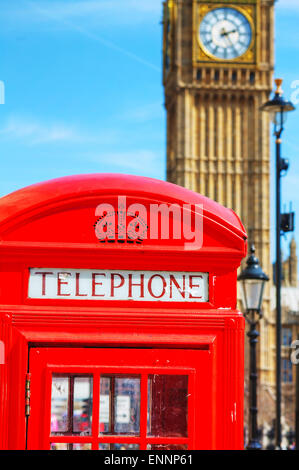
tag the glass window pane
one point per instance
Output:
(59, 405)
(127, 405)
(125, 446)
(119, 405)
(105, 405)
(66, 446)
(167, 447)
(253, 291)
(82, 446)
(287, 371)
(287, 336)
(104, 446)
(82, 407)
(71, 405)
(118, 446)
(167, 405)
(59, 446)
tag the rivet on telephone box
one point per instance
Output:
(119, 324)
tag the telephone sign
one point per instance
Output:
(50, 283)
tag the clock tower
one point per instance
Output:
(217, 72)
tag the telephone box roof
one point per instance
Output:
(38, 196)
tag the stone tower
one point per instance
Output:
(290, 267)
(218, 66)
(293, 270)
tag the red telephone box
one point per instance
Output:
(120, 330)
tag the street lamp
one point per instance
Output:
(253, 281)
(278, 107)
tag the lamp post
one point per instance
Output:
(278, 107)
(253, 280)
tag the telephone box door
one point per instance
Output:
(106, 399)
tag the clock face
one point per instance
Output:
(225, 33)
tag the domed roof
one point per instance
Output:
(37, 198)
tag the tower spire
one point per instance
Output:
(293, 263)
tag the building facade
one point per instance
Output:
(290, 330)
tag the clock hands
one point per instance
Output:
(226, 33)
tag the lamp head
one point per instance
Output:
(278, 104)
(253, 280)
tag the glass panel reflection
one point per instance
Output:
(83, 446)
(104, 446)
(59, 446)
(125, 446)
(167, 405)
(105, 405)
(82, 406)
(66, 446)
(71, 405)
(118, 446)
(167, 447)
(119, 405)
(59, 404)
(127, 405)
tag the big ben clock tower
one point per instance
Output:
(218, 65)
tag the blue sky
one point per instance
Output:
(83, 89)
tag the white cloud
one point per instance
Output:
(140, 161)
(34, 132)
(145, 113)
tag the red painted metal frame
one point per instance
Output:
(51, 225)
